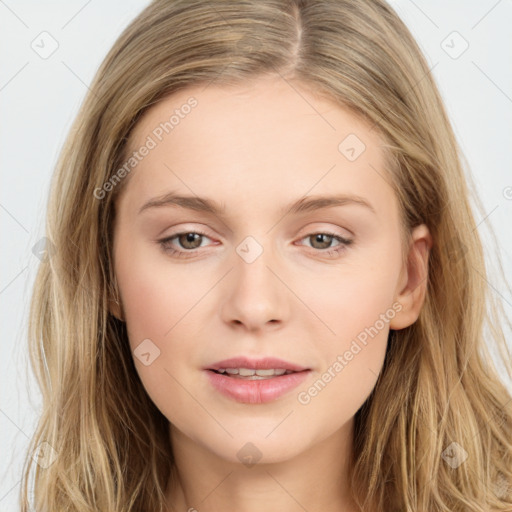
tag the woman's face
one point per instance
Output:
(257, 277)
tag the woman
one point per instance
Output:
(266, 289)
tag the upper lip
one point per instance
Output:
(266, 363)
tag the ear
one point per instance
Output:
(115, 306)
(116, 309)
(412, 284)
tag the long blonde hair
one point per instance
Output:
(439, 394)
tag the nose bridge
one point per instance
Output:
(256, 296)
(253, 262)
(252, 274)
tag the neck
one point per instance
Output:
(313, 480)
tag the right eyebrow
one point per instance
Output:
(200, 204)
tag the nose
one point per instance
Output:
(255, 298)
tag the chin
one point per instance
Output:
(257, 449)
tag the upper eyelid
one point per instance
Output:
(307, 231)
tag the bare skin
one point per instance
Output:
(256, 149)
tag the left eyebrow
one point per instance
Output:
(305, 204)
(312, 203)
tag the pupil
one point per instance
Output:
(320, 236)
(189, 238)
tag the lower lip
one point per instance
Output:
(256, 391)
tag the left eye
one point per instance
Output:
(330, 237)
(191, 240)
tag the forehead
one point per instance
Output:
(269, 136)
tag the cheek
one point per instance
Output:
(357, 306)
(365, 303)
(157, 295)
(160, 304)
(353, 299)
(359, 314)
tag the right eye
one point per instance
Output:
(185, 238)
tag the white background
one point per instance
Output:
(40, 97)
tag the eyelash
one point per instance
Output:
(164, 243)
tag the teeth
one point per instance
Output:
(249, 372)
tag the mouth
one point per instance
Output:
(244, 385)
(244, 366)
(253, 374)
